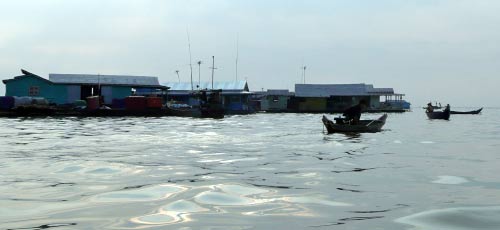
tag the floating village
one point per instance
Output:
(90, 95)
(108, 95)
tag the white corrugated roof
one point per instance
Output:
(327, 90)
(225, 86)
(104, 79)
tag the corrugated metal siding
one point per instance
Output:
(381, 91)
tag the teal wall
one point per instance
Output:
(20, 87)
(275, 102)
(120, 92)
(55, 93)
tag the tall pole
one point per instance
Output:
(213, 68)
(199, 73)
(237, 54)
(190, 63)
(304, 74)
(99, 84)
(179, 78)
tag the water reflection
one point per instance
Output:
(228, 198)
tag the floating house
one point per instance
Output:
(68, 88)
(275, 100)
(338, 97)
(235, 94)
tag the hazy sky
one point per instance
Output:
(445, 50)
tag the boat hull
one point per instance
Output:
(363, 126)
(468, 112)
(441, 115)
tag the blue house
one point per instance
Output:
(235, 95)
(32, 85)
(67, 88)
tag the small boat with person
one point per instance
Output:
(441, 115)
(362, 126)
(467, 112)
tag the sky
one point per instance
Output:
(430, 50)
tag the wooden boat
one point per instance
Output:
(443, 115)
(363, 126)
(468, 112)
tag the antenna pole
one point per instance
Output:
(190, 63)
(304, 74)
(199, 73)
(237, 55)
(213, 68)
(99, 84)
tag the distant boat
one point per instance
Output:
(363, 126)
(443, 115)
(468, 112)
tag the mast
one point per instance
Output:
(304, 74)
(199, 73)
(213, 68)
(179, 78)
(190, 62)
(237, 55)
(98, 84)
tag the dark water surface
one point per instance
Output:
(263, 171)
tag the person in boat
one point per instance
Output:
(447, 108)
(353, 114)
(430, 108)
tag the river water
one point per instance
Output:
(262, 171)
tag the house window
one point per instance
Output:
(34, 91)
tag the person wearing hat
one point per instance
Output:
(430, 108)
(353, 114)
